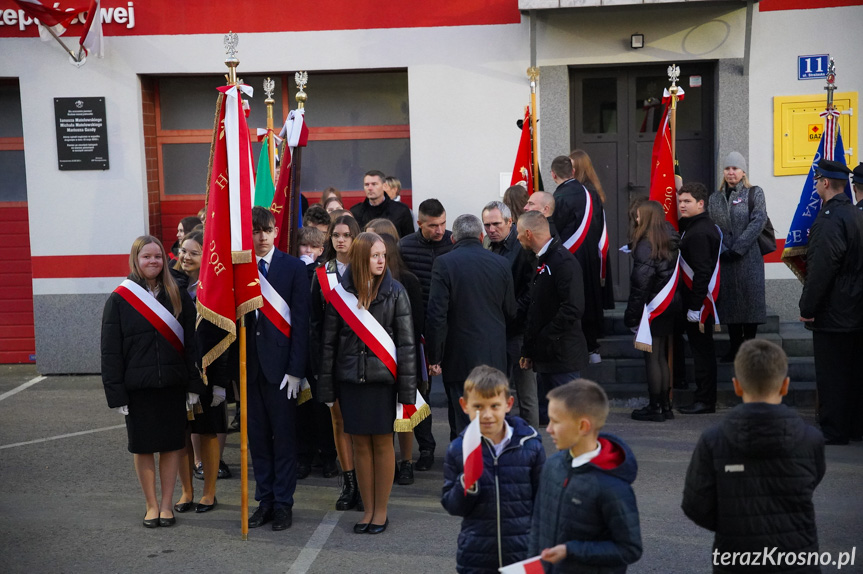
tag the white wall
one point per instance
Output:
(777, 39)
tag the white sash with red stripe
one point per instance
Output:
(709, 306)
(603, 250)
(367, 328)
(153, 311)
(327, 281)
(574, 242)
(655, 308)
(275, 308)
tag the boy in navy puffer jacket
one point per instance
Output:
(586, 518)
(497, 509)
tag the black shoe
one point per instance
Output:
(166, 522)
(697, 408)
(151, 522)
(199, 471)
(283, 518)
(350, 491)
(651, 412)
(182, 507)
(378, 528)
(361, 527)
(426, 460)
(261, 516)
(303, 471)
(330, 469)
(206, 507)
(406, 473)
(667, 406)
(224, 471)
(235, 424)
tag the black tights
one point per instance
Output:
(739, 332)
(656, 363)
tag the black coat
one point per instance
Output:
(569, 206)
(751, 481)
(397, 212)
(419, 255)
(523, 264)
(833, 291)
(470, 303)
(699, 247)
(553, 338)
(346, 359)
(591, 509)
(648, 277)
(135, 356)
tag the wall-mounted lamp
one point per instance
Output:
(637, 41)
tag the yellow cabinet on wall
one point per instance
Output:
(797, 129)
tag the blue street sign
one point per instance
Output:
(812, 67)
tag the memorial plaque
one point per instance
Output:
(82, 133)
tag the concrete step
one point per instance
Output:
(613, 323)
(796, 342)
(800, 394)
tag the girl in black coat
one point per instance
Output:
(654, 258)
(146, 377)
(366, 388)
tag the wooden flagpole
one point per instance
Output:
(673, 75)
(294, 205)
(533, 74)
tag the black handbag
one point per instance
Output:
(767, 237)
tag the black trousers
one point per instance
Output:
(458, 420)
(314, 430)
(839, 379)
(704, 360)
(272, 440)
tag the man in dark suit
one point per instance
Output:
(378, 204)
(276, 363)
(554, 345)
(470, 303)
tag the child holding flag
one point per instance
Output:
(494, 491)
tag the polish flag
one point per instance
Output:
(471, 446)
(529, 566)
(91, 37)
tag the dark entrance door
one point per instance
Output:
(615, 115)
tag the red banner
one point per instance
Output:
(522, 171)
(662, 188)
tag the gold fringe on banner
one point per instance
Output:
(790, 253)
(643, 347)
(305, 395)
(407, 425)
(250, 305)
(213, 146)
(222, 323)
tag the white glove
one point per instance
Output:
(634, 330)
(218, 396)
(330, 404)
(192, 398)
(124, 410)
(693, 316)
(293, 384)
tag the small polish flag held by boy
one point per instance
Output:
(472, 454)
(529, 566)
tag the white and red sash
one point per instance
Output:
(367, 328)
(327, 281)
(153, 311)
(709, 306)
(275, 308)
(574, 242)
(655, 308)
(603, 250)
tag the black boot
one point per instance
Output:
(652, 412)
(350, 492)
(667, 411)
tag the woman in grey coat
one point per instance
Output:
(740, 211)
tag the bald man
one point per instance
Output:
(543, 202)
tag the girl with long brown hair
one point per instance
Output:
(654, 258)
(147, 369)
(357, 369)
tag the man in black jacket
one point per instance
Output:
(502, 236)
(420, 249)
(377, 204)
(570, 211)
(554, 344)
(858, 185)
(699, 248)
(470, 303)
(832, 303)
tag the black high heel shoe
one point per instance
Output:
(378, 528)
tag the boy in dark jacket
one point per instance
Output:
(585, 519)
(497, 508)
(760, 466)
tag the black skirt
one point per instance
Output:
(157, 420)
(368, 408)
(213, 420)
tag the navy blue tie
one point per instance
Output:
(262, 265)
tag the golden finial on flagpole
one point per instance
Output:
(231, 41)
(673, 75)
(533, 75)
(301, 78)
(831, 82)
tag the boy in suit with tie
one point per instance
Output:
(277, 345)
